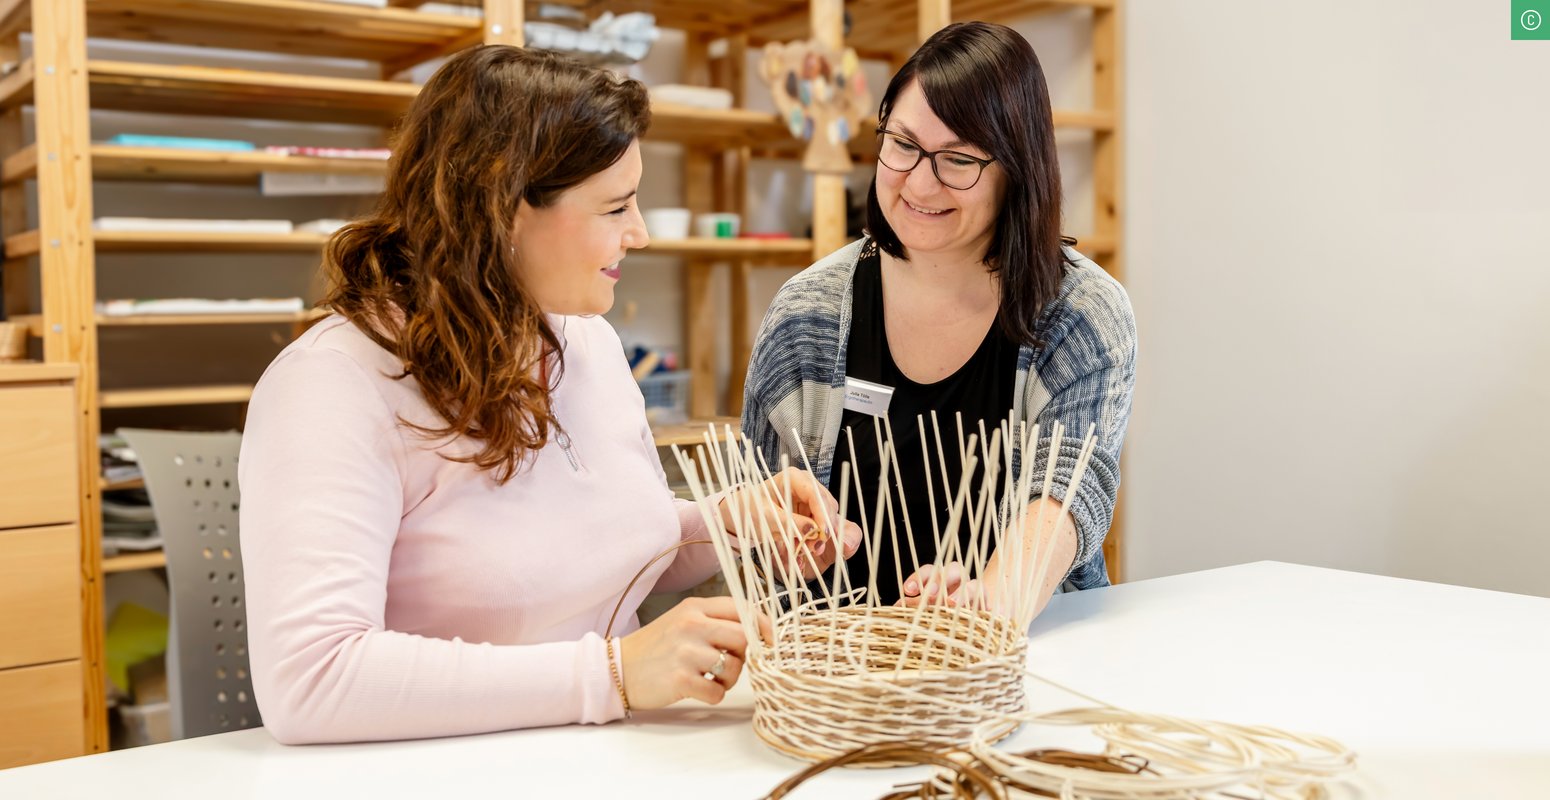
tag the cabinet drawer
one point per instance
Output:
(40, 595)
(43, 712)
(38, 476)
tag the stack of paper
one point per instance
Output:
(197, 305)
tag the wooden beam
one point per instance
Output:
(15, 17)
(67, 271)
(741, 316)
(503, 21)
(16, 88)
(699, 304)
(733, 188)
(392, 68)
(22, 245)
(20, 162)
(930, 17)
(829, 211)
(1108, 198)
(700, 337)
(16, 273)
(1107, 151)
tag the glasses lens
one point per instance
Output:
(956, 171)
(898, 154)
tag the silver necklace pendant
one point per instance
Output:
(563, 440)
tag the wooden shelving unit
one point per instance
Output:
(63, 86)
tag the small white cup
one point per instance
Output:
(667, 223)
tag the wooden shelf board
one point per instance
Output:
(36, 371)
(141, 320)
(708, 16)
(34, 322)
(131, 86)
(689, 433)
(151, 559)
(680, 123)
(272, 95)
(15, 16)
(737, 249)
(16, 88)
(26, 243)
(117, 162)
(175, 396)
(286, 26)
(21, 245)
(156, 241)
(106, 485)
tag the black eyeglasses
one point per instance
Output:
(954, 169)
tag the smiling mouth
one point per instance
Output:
(612, 270)
(927, 211)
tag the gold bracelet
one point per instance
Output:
(613, 669)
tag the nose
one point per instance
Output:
(635, 236)
(921, 180)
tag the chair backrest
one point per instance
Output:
(192, 481)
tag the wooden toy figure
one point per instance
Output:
(821, 96)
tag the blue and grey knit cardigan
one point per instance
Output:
(1083, 374)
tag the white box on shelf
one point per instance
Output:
(150, 723)
(291, 184)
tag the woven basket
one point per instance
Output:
(834, 680)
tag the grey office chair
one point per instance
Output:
(192, 481)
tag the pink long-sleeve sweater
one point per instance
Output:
(395, 594)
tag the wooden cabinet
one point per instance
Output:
(42, 710)
(37, 456)
(42, 691)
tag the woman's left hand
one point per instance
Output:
(949, 586)
(805, 535)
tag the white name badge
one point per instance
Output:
(867, 397)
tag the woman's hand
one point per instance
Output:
(669, 660)
(949, 586)
(807, 535)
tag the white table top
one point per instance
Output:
(1443, 691)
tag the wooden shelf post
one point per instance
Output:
(67, 278)
(1108, 182)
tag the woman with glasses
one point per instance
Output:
(962, 301)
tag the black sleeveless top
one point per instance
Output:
(981, 390)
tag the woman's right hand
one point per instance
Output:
(667, 660)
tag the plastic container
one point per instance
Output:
(717, 226)
(667, 397)
(150, 723)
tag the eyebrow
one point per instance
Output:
(905, 129)
(623, 197)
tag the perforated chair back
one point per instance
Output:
(192, 481)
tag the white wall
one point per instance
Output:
(1337, 225)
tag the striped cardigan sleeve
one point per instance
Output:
(1083, 376)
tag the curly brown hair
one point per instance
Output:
(430, 274)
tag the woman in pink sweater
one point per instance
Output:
(448, 483)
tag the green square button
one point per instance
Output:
(1529, 19)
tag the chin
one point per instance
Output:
(601, 305)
